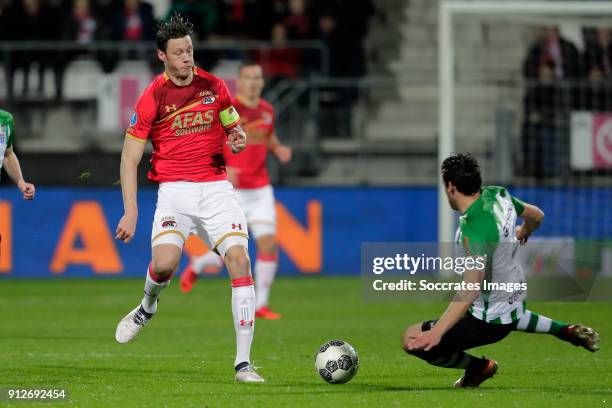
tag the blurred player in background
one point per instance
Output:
(475, 317)
(188, 115)
(249, 175)
(8, 158)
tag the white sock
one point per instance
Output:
(243, 302)
(265, 270)
(209, 259)
(152, 290)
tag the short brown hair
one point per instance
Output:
(176, 27)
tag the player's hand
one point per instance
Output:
(283, 153)
(521, 235)
(27, 189)
(425, 340)
(126, 228)
(237, 139)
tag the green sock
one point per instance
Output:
(532, 322)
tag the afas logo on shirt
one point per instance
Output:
(192, 122)
(134, 119)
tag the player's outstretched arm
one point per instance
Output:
(533, 217)
(13, 169)
(456, 309)
(130, 158)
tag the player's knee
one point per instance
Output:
(238, 260)
(165, 260)
(266, 245)
(163, 268)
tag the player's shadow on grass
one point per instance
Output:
(553, 390)
(316, 386)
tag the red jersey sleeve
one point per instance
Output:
(228, 115)
(143, 117)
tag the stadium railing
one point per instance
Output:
(348, 131)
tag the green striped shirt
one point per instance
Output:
(7, 133)
(487, 229)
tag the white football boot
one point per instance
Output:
(131, 324)
(248, 374)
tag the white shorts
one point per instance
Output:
(258, 207)
(209, 210)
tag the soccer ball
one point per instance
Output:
(336, 362)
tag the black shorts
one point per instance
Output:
(467, 333)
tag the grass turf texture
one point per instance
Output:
(60, 334)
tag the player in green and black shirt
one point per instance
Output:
(487, 227)
(8, 159)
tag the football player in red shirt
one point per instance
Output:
(187, 114)
(249, 175)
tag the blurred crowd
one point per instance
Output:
(340, 24)
(561, 79)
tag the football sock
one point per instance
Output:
(265, 270)
(209, 259)
(243, 310)
(532, 322)
(459, 360)
(153, 286)
(241, 366)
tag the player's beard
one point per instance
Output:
(451, 202)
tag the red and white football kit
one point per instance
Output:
(187, 127)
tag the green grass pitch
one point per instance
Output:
(60, 334)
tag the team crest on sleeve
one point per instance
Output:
(134, 119)
(3, 134)
(168, 222)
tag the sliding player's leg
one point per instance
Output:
(467, 333)
(576, 334)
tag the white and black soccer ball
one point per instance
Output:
(336, 362)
